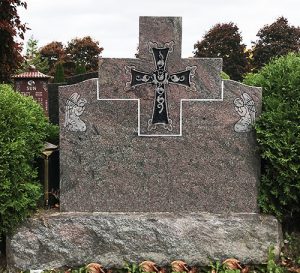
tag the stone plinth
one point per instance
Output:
(54, 240)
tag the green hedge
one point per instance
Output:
(23, 129)
(278, 134)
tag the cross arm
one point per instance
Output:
(137, 77)
(184, 78)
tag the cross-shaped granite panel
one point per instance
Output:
(159, 79)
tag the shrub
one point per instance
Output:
(23, 129)
(278, 134)
(53, 134)
(224, 76)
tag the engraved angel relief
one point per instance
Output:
(74, 109)
(245, 107)
(160, 78)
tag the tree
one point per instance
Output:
(278, 131)
(23, 130)
(224, 41)
(59, 76)
(274, 40)
(54, 53)
(33, 57)
(84, 52)
(10, 29)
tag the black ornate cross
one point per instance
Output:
(160, 78)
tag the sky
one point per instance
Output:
(114, 23)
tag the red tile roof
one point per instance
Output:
(31, 74)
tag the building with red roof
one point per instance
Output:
(33, 83)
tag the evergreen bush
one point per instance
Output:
(278, 134)
(23, 129)
(59, 76)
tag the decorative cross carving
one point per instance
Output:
(160, 78)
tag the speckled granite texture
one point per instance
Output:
(72, 239)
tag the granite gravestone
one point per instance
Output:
(159, 133)
(158, 161)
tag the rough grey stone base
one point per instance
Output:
(53, 240)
